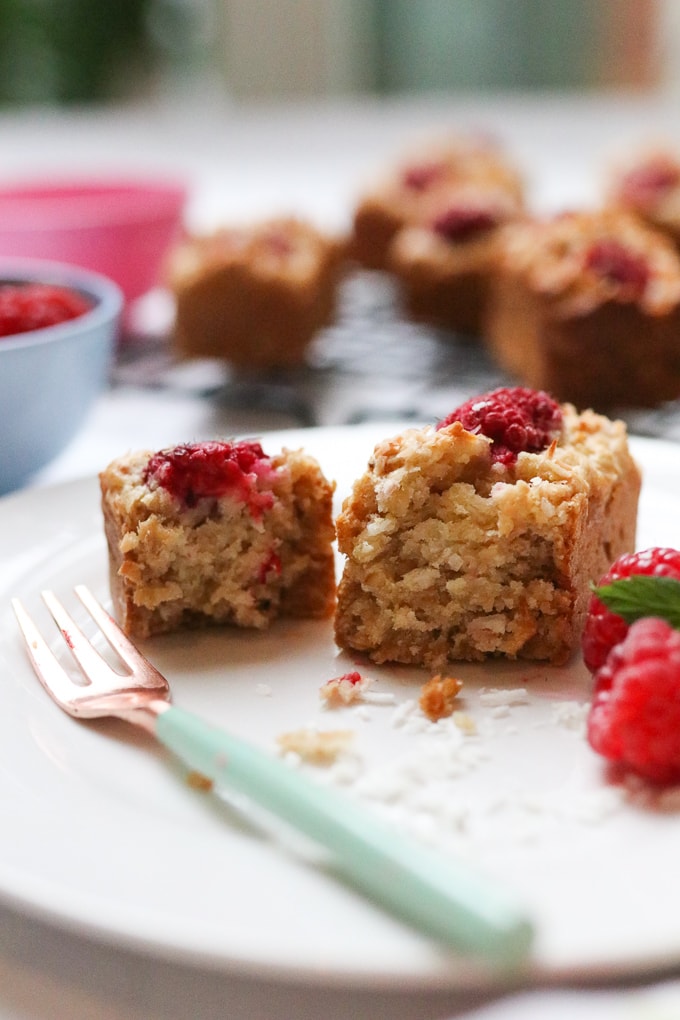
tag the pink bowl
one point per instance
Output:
(121, 229)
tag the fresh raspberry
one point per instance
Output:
(612, 261)
(460, 223)
(28, 306)
(516, 418)
(642, 186)
(634, 718)
(213, 469)
(603, 628)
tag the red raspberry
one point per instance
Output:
(613, 261)
(634, 719)
(28, 306)
(462, 223)
(270, 567)
(422, 177)
(516, 419)
(196, 470)
(603, 628)
(643, 185)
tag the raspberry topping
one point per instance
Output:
(612, 261)
(645, 184)
(516, 419)
(635, 714)
(195, 470)
(462, 223)
(345, 689)
(420, 178)
(270, 567)
(603, 628)
(277, 243)
(28, 306)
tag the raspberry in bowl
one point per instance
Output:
(58, 329)
(28, 306)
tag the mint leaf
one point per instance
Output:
(640, 595)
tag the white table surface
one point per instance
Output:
(243, 163)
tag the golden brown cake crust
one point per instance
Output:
(554, 325)
(173, 566)
(450, 556)
(254, 297)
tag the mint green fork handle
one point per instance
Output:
(437, 895)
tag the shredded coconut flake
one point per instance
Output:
(571, 714)
(493, 696)
(379, 698)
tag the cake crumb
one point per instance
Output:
(197, 781)
(345, 689)
(317, 747)
(438, 695)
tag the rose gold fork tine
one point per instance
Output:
(48, 669)
(145, 674)
(94, 668)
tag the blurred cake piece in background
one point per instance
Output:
(254, 296)
(649, 186)
(415, 190)
(444, 266)
(587, 306)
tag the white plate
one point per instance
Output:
(102, 832)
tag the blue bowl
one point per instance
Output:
(50, 378)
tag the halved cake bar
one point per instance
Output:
(217, 532)
(480, 536)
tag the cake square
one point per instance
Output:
(254, 296)
(587, 306)
(413, 191)
(217, 533)
(444, 266)
(461, 545)
(648, 185)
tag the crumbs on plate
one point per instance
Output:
(317, 747)
(197, 781)
(345, 689)
(438, 696)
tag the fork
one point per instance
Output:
(437, 895)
